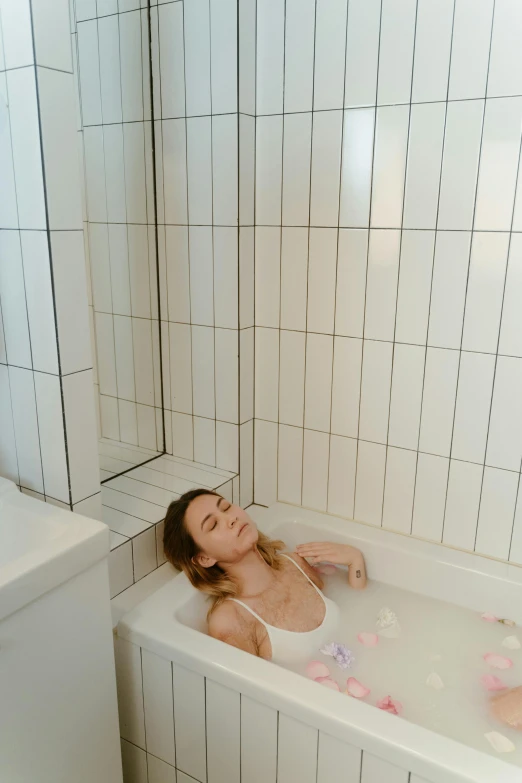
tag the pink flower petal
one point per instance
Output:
(498, 661)
(326, 568)
(355, 689)
(489, 618)
(390, 705)
(492, 683)
(317, 669)
(328, 683)
(368, 639)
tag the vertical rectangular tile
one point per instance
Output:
(505, 63)
(330, 48)
(487, 272)
(375, 769)
(128, 421)
(14, 306)
(203, 387)
(356, 168)
(471, 38)
(246, 277)
(110, 75)
(289, 478)
(389, 166)
(8, 205)
(322, 264)
(291, 377)
(224, 170)
(415, 278)
(318, 381)
(199, 170)
(346, 383)
(351, 282)
(131, 65)
(109, 424)
(246, 463)
(158, 706)
(189, 721)
(115, 173)
(197, 57)
(202, 271)
(265, 462)
(297, 751)
(223, 55)
(341, 476)
(398, 489)
(106, 361)
(204, 441)
(270, 56)
(296, 169)
(181, 364)
(299, 54)
(82, 443)
(511, 326)
(294, 278)
(375, 391)
(225, 277)
(247, 166)
(406, 395)
(369, 484)
(182, 436)
(223, 737)
(266, 373)
(178, 275)
(397, 35)
(269, 154)
(267, 275)
(159, 771)
(423, 171)
(335, 755)
(515, 549)
(135, 185)
(227, 446)
(460, 164)
(473, 405)
(498, 164)
(247, 57)
(51, 435)
(362, 52)
(16, 26)
(381, 285)
(462, 504)
(175, 171)
(326, 158)
(432, 50)
(448, 290)
(226, 379)
(130, 688)
(504, 448)
(139, 276)
(430, 496)
(497, 512)
(123, 350)
(95, 175)
(89, 67)
(27, 160)
(438, 401)
(246, 374)
(142, 341)
(133, 759)
(172, 61)
(258, 742)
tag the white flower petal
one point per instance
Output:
(435, 681)
(391, 632)
(499, 743)
(511, 642)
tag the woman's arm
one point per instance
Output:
(341, 554)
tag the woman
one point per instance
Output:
(265, 602)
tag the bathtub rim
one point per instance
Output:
(153, 626)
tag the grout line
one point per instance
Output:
(123, 472)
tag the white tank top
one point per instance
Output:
(291, 647)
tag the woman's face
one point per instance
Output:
(222, 532)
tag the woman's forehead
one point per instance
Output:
(201, 506)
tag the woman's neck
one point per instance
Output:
(252, 574)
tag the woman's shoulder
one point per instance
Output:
(228, 619)
(309, 570)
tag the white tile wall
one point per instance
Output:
(388, 265)
(48, 443)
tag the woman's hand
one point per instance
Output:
(340, 554)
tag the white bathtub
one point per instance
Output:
(223, 716)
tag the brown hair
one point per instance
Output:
(181, 549)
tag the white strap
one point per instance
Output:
(303, 573)
(245, 606)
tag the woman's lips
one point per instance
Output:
(243, 526)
